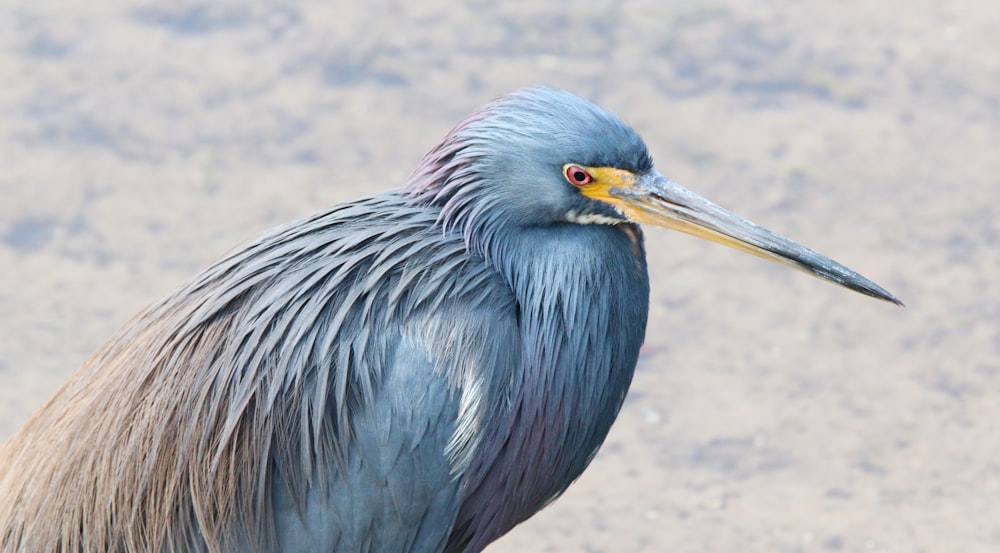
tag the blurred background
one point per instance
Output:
(771, 412)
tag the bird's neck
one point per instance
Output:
(582, 294)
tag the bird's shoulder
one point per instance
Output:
(336, 291)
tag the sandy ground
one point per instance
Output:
(771, 412)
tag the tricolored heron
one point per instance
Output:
(416, 371)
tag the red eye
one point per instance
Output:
(578, 176)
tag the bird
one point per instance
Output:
(414, 371)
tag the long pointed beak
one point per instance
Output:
(654, 199)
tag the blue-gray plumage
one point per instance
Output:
(412, 372)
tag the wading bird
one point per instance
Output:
(416, 371)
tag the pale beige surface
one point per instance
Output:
(770, 413)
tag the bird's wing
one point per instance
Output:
(397, 492)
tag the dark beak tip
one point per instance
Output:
(880, 293)
(893, 300)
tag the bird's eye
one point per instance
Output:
(578, 176)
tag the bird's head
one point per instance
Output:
(542, 156)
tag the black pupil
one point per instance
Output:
(579, 176)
